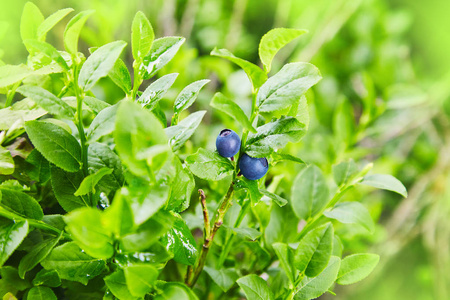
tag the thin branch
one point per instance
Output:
(205, 213)
(192, 276)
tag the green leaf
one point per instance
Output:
(41, 293)
(142, 131)
(95, 104)
(273, 41)
(48, 50)
(30, 21)
(344, 172)
(300, 110)
(21, 204)
(55, 144)
(47, 101)
(180, 133)
(36, 255)
(209, 165)
(162, 51)
(385, 182)
(6, 162)
(159, 113)
(89, 182)
(11, 235)
(11, 74)
(99, 64)
(65, 185)
(255, 288)
(252, 188)
(155, 91)
(337, 246)
(278, 200)
(101, 156)
(120, 75)
(181, 188)
(55, 220)
(224, 104)
(51, 21)
(224, 278)
(352, 213)
(103, 124)
(118, 217)
(142, 36)
(146, 201)
(148, 233)
(188, 95)
(287, 86)
(73, 29)
(73, 264)
(356, 267)
(39, 167)
(255, 74)
(314, 250)
(286, 256)
(311, 288)
(274, 135)
(47, 278)
(309, 193)
(89, 232)
(179, 241)
(140, 279)
(10, 281)
(117, 284)
(175, 290)
(277, 157)
(249, 233)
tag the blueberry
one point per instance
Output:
(253, 168)
(228, 143)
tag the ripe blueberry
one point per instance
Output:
(228, 143)
(253, 168)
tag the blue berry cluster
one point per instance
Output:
(228, 144)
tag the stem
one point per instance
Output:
(312, 222)
(174, 120)
(252, 120)
(79, 121)
(205, 214)
(10, 94)
(235, 25)
(136, 81)
(229, 239)
(35, 223)
(292, 293)
(207, 242)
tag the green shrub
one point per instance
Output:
(96, 196)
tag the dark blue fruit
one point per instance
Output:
(253, 168)
(228, 143)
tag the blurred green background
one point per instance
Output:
(385, 97)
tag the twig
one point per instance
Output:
(188, 19)
(205, 213)
(193, 275)
(235, 27)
